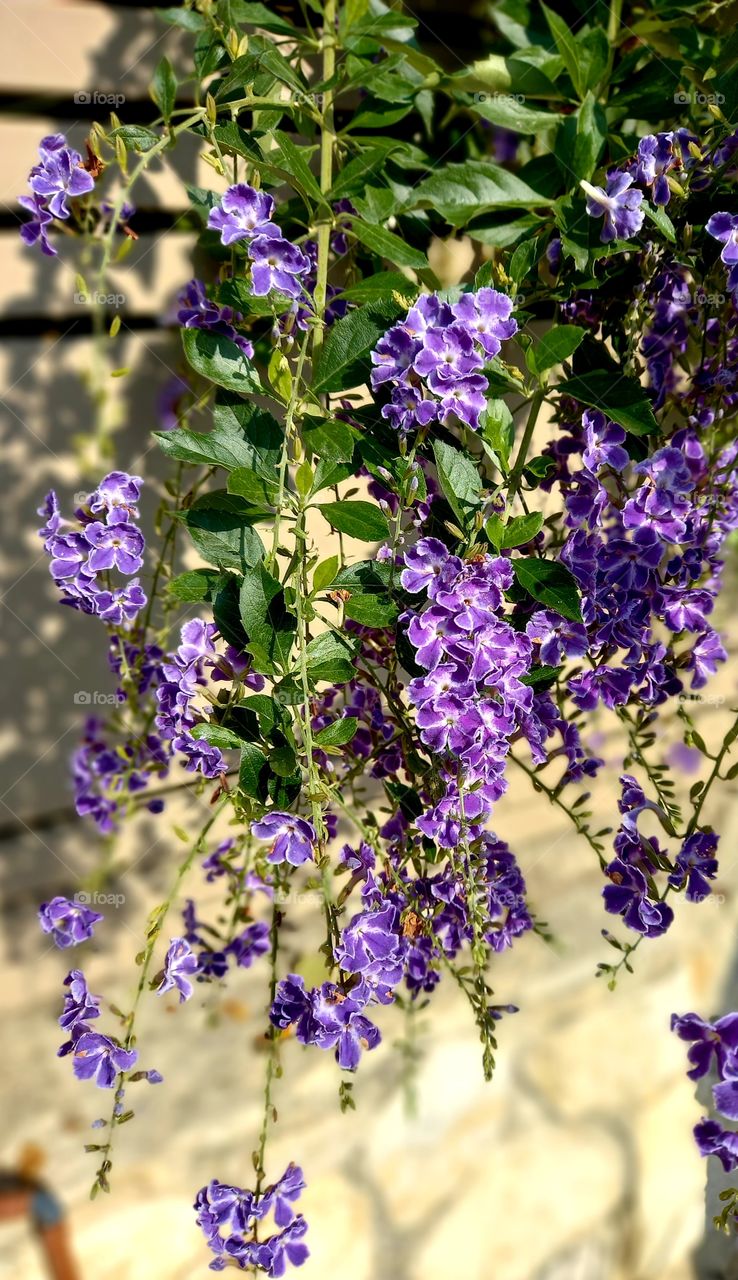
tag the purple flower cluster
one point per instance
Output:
(58, 178)
(69, 923)
(432, 362)
(214, 955)
(714, 1045)
(473, 698)
(328, 1017)
(228, 1217)
(197, 311)
(620, 203)
(96, 1056)
(182, 676)
(638, 548)
(276, 263)
(105, 772)
(104, 538)
(633, 892)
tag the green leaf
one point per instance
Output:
(250, 771)
(661, 219)
(220, 527)
(255, 488)
(331, 657)
(195, 586)
(344, 358)
(134, 137)
(387, 245)
(185, 18)
(524, 258)
(226, 613)
(261, 15)
(243, 435)
(262, 59)
(358, 519)
(516, 532)
(366, 577)
(294, 160)
(566, 43)
(220, 361)
(331, 439)
(338, 733)
(555, 346)
(620, 397)
(269, 625)
(550, 583)
(283, 761)
(498, 430)
(381, 285)
(508, 112)
(460, 192)
(324, 573)
(354, 176)
(371, 611)
(232, 138)
(164, 88)
(217, 735)
(459, 480)
(590, 138)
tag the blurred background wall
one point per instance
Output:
(577, 1163)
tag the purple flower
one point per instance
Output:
(371, 946)
(656, 156)
(723, 227)
(59, 176)
(628, 896)
(69, 923)
(117, 490)
(718, 1040)
(99, 1058)
(619, 204)
(197, 311)
(116, 545)
(277, 264)
(251, 943)
(180, 965)
(557, 637)
(488, 313)
(696, 864)
(242, 213)
(713, 1140)
(35, 230)
(603, 443)
(293, 838)
(79, 1004)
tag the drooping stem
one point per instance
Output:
(327, 142)
(516, 474)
